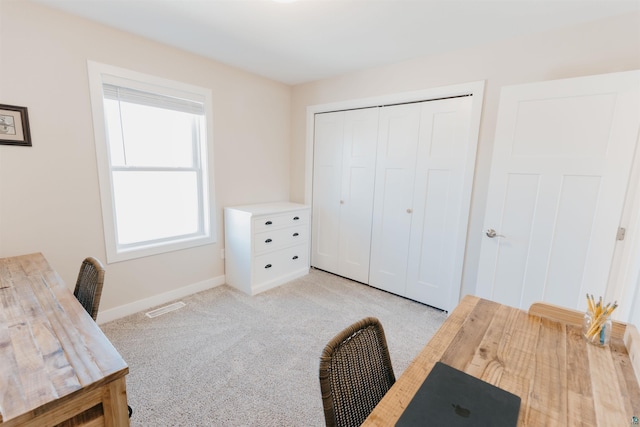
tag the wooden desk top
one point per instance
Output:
(561, 379)
(49, 345)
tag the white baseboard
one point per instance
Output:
(279, 281)
(144, 304)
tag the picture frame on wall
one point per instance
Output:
(14, 126)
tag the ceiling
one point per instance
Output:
(310, 40)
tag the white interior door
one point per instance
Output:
(356, 201)
(419, 215)
(438, 228)
(327, 187)
(398, 137)
(561, 163)
(344, 167)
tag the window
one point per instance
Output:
(151, 146)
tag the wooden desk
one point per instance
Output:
(562, 380)
(56, 365)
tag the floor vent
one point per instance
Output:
(167, 308)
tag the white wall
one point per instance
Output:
(49, 200)
(600, 47)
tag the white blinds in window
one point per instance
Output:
(125, 94)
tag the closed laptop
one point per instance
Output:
(449, 397)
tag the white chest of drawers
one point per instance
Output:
(266, 245)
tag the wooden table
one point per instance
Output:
(56, 365)
(561, 379)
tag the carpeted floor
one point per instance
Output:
(229, 359)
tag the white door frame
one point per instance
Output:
(624, 280)
(476, 89)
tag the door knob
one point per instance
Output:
(409, 210)
(491, 233)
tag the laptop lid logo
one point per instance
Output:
(460, 411)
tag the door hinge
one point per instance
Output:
(621, 232)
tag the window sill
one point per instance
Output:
(156, 249)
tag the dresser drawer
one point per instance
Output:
(270, 240)
(270, 222)
(274, 264)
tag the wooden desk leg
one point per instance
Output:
(114, 404)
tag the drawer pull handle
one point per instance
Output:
(268, 223)
(296, 234)
(295, 257)
(267, 266)
(295, 218)
(268, 241)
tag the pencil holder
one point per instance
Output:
(596, 330)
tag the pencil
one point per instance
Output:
(589, 304)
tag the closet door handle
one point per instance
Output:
(268, 223)
(491, 233)
(295, 257)
(268, 266)
(295, 218)
(268, 241)
(295, 234)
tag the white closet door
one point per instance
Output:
(438, 228)
(398, 136)
(561, 164)
(343, 177)
(327, 172)
(356, 201)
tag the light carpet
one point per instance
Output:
(229, 359)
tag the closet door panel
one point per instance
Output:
(432, 272)
(398, 138)
(356, 203)
(328, 144)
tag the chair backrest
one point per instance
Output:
(570, 316)
(88, 288)
(355, 373)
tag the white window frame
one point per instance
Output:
(103, 73)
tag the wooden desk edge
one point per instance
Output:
(632, 343)
(111, 395)
(109, 390)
